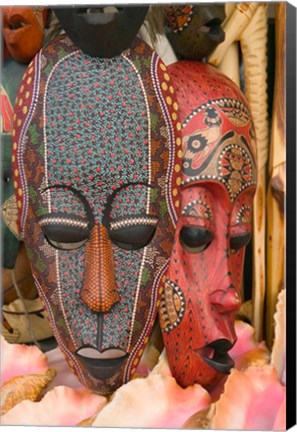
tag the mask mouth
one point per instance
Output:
(102, 364)
(99, 15)
(216, 355)
(213, 30)
(16, 22)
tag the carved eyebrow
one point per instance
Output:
(110, 198)
(190, 209)
(83, 199)
(141, 220)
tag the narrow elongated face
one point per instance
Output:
(23, 31)
(201, 293)
(93, 172)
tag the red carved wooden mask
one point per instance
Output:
(201, 293)
(23, 30)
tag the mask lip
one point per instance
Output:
(89, 352)
(97, 19)
(220, 360)
(102, 369)
(213, 30)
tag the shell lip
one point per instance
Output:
(101, 364)
(215, 354)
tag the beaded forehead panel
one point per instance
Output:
(96, 175)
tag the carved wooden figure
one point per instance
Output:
(23, 30)
(194, 31)
(95, 172)
(201, 293)
(102, 31)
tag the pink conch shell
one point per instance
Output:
(25, 387)
(65, 375)
(153, 402)
(201, 419)
(280, 420)
(278, 354)
(61, 406)
(252, 400)
(17, 360)
(246, 351)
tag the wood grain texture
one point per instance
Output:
(277, 180)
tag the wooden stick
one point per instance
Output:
(276, 185)
(237, 20)
(230, 63)
(254, 49)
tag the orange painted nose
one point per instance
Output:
(99, 290)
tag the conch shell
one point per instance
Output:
(278, 355)
(24, 387)
(247, 351)
(62, 406)
(252, 400)
(17, 360)
(156, 401)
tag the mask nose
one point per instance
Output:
(226, 297)
(227, 300)
(99, 290)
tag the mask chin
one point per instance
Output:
(102, 365)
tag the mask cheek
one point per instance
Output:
(172, 306)
(24, 43)
(237, 267)
(186, 364)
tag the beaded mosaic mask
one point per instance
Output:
(202, 291)
(23, 30)
(194, 31)
(94, 172)
(102, 31)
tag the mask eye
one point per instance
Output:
(195, 239)
(239, 241)
(133, 237)
(64, 233)
(65, 246)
